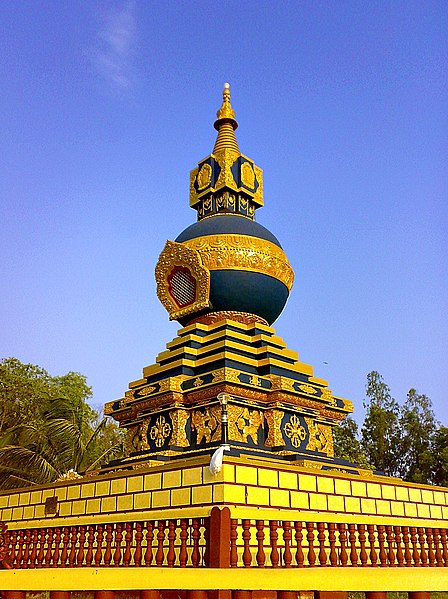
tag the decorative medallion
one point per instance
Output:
(147, 390)
(160, 431)
(308, 389)
(183, 282)
(204, 176)
(247, 175)
(295, 431)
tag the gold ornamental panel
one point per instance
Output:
(243, 252)
(275, 436)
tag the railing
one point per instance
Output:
(220, 541)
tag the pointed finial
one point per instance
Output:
(226, 124)
(226, 111)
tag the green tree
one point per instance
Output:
(418, 427)
(380, 432)
(347, 445)
(439, 450)
(47, 426)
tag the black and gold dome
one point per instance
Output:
(226, 263)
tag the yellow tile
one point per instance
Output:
(79, 507)
(439, 498)
(368, 506)
(423, 510)
(93, 506)
(65, 509)
(17, 513)
(235, 494)
(161, 499)
(4, 501)
(61, 493)
(268, 478)
(445, 512)
(201, 495)
(402, 493)
(24, 498)
(39, 511)
(125, 503)
(153, 481)
(359, 488)
(7, 514)
(118, 486)
(388, 491)
(325, 484)
(436, 511)
(218, 493)
(192, 476)
(13, 500)
(257, 496)
(108, 504)
(335, 503)
(180, 496)
(142, 501)
(36, 497)
(427, 496)
(172, 479)
(307, 482)
(383, 506)
(73, 492)
(373, 490)
(279, 498)
(415, 495)
(318, 501)
(299, 499)
(288, 480)
(246, 475)
(397, 508)
(88, 490)
(410, 509)
(228, 473)
(47, 493)
(352, 505)
(102, 487)
(342, 486)
(135, 484)
(28, 512)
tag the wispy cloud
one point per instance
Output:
(112, 55)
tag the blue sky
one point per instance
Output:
(106, 106)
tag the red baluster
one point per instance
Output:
(439, 557)
(373, 556)
(287, 538)
(352, 541)
(300, 558)
(415, 553)
(149, 540)
(57, 543)
(26, 553)
(310, 539)
(128, 542)
(260, 557)
(73, 539)
(183, 544)
(35, 540)
(171, 556)
(99, 545)
(19, 558)
(406, 541)
(321, 539)
(332, 541)
(343, 557)
(195, 555)
(273, 536)
(206, 526)
(233, 538)
(443, 540)
(108, 549)
(90, 542)
(362, 541)
(81, 543)
(13, 554)
(118, 539)
(421, 540)
(138, 544)
(65, 542)
(48, 555)
(41, 553)
(390, 545)
(247, 557)
(383, 554)
(429, 540)
(400, 556)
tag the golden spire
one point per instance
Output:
(226, 125)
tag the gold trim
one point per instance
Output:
(179, 419)
(275, 435)
(178, 254)
(243, 252)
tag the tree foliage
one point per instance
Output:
(47, 428)
(399, 440)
